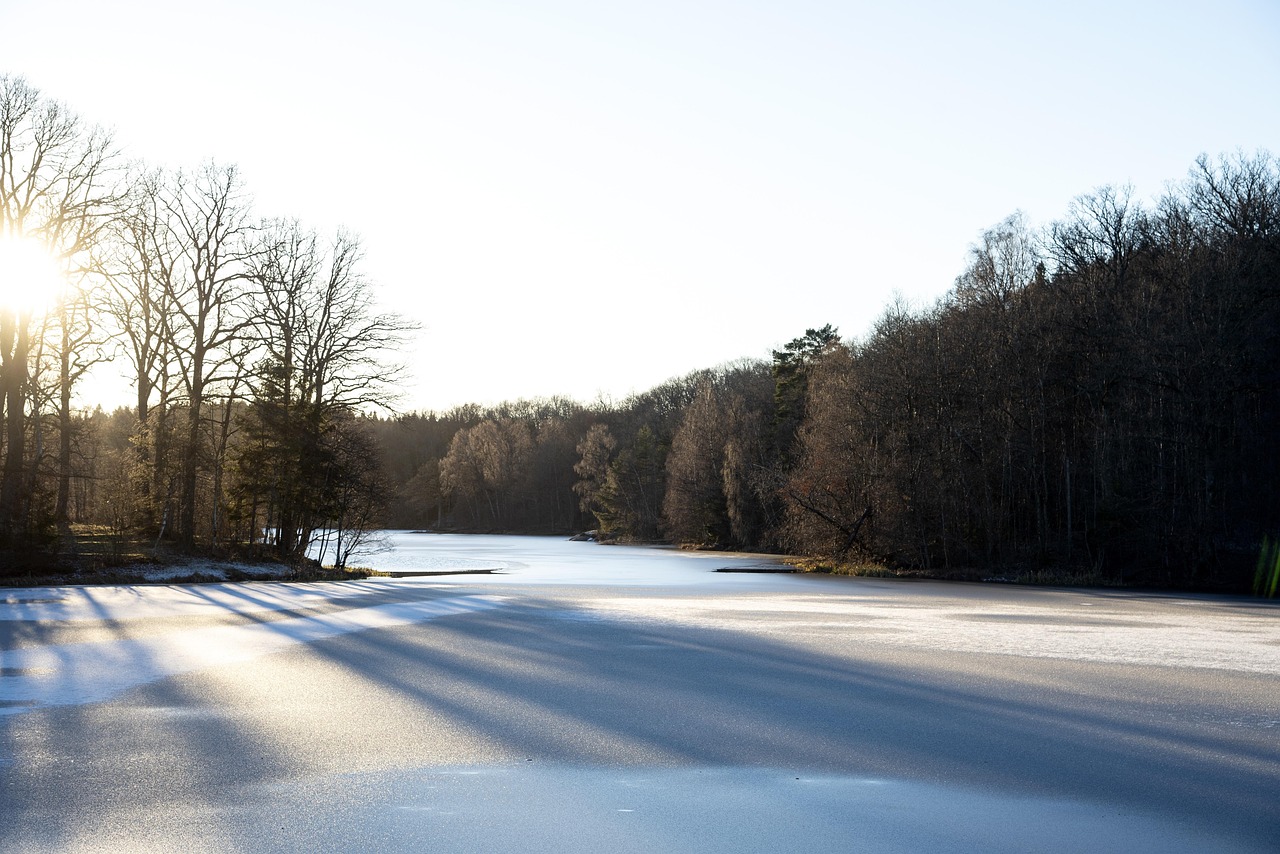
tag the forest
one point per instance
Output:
(1098, 398)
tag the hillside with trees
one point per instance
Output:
(1098, 398)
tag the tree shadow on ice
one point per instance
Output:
(554, 685)
(159, 754)
(536, 680)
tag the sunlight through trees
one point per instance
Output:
(238, 341)
(1098, 397)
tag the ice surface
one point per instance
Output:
(1058, 624)
(572, 627)
(555, 560)
(75, 673)
(91, 604)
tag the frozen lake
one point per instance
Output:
(552, 560)
(589, 698)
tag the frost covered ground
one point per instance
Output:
(584, 697)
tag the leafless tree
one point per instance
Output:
(319, 353)
(57, 187)
(204, 272)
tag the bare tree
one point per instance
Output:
(595, 452)
(316, 319)
(204, 272)
(1002, 263)
(319, 355)
(488, 467)
(56, 188)
(136, 300)
(693, 507)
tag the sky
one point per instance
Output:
(588, 198)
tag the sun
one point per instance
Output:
(30, 277)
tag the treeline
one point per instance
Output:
(1100, 397)
(1105, 394)
(251, 343)
(556, 466)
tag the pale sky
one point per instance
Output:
(587, 198)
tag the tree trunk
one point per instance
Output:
(14, 342)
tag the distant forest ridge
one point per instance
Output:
(1096, 399)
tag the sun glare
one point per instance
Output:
(30, 279)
